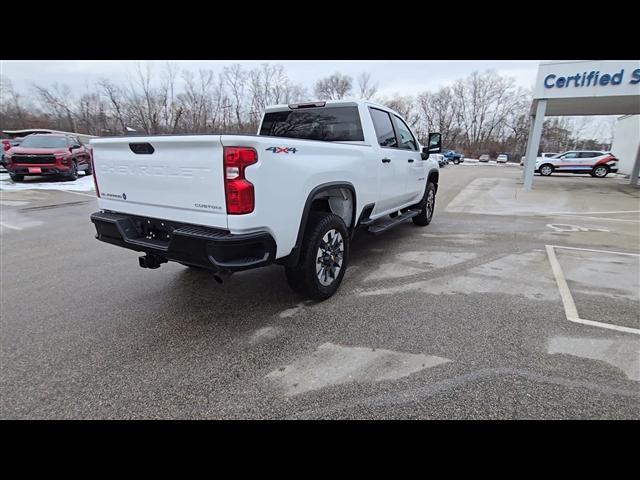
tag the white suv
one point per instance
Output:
(596, 163)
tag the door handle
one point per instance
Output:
(386, 160)
(410, 160)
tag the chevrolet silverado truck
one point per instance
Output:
(48, 154)
(293, 194)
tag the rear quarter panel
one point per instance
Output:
(283, 181)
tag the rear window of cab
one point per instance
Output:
(331, 124)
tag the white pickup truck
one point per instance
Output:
(293, 194)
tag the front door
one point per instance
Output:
(415, 167)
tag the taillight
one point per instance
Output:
(238, 190)
(93, 170)
(5, 145)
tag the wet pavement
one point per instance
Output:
(460, 319)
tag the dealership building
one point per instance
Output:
(595, 87)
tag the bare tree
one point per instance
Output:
(58, 103)
(405, 106)
(366, 89)
(334, 87)
(235, 78)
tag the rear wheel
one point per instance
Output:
(456, 161)
(323, 257)
(16, 177)
(546, 169)
(600, 171)
(427, 206)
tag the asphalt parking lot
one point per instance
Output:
(470, 317)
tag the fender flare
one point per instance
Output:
(437, 172)
(292, 258)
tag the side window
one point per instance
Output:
(570, 155)
(588, 154)
(383, 127)
(406, 138)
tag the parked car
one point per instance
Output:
(293, 194)
(453, 156)
(543, 155)
(6, 145)
(596, 163)
(484, 157)
(48, 154)
(441, 159)
(502, 158)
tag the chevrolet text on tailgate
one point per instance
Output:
(292, 195)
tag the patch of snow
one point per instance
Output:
(84, 183)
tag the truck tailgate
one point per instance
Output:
(180, 178)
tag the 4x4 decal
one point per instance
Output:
(282, 149)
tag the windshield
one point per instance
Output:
(44, 142)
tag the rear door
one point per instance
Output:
(177, 178)
(392, 170)
(587, 160)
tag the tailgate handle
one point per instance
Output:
(141, 148)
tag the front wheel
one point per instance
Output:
(427, 206)
(73, 173)
(323, 257)
(546, 170)
(600, 171)
(16, 177)
(456, 161)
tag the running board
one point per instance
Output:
(384, 225)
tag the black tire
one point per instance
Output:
(456, 161)
(600, 171)
(427, 206)
(546, 169)
(305, 277)
(73, 173)
(89, 170)
(16, 177)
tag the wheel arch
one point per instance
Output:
(434, 177)
(312, 197)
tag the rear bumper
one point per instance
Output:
(196, 245)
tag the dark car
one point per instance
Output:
(48, 154)
(453, 156)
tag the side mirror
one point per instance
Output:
(435, 143)
(424, 154)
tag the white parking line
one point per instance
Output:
(605, 219)
(80, 193)
(598, 251)
(592, 213)
(6, 225)
(567, 299)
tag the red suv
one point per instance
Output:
(48, 154)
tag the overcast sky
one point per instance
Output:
(391, 76)
(404, 77)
